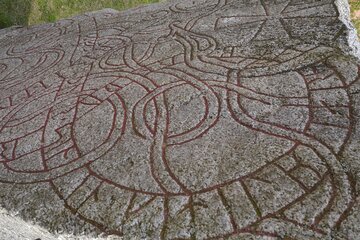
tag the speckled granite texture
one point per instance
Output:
(190, 120)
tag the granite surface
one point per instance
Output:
(187, 119)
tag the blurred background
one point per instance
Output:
(355, 14)
(30, 12)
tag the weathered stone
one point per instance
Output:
(183, 120)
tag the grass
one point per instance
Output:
(355, 14)
(14, 12)
(30, 12)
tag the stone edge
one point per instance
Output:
(353, 49)
(353, 42)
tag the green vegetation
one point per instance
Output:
(29, 12)
(14, 12)
(355, 14)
